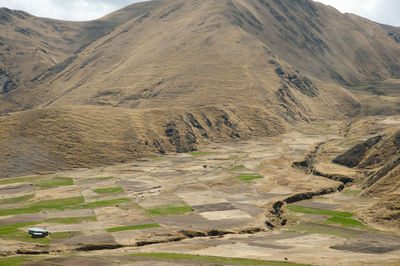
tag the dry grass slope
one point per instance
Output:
(168, 75)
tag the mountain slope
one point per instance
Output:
(30, 46)
(181, 73)
(379, 158)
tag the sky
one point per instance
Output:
(77, 10)
(383, 11)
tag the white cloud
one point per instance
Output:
(383, 11)
(68, 10)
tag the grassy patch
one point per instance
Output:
(346, 222)
(237, 167)
(63, 235)
(320, 125)
(135, 227)
(200, 153)
(17, 199)
(159, 159)
(56, 182)
(13, 232)
(61, 205)
(319, 211)
(7, 181)
(351, 192)
(106, 202)
(102, 178)
(14, 261)
(71, 220)
(108, 190)
(248, 177)
(55, 204)
(169, 210)
(237, 157)
(209, 259)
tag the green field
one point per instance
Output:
(60, 205)
(108, 190)
(319, 211)
(54, 204)
(71, 220)
(103, 203)
(13, 232)
(248, 177)
(16, 261)
(17, 199)
(134, 227)
(31, 179)
(56, 182)
(346, 222)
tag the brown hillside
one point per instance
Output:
(180, 73)
(81, 136)
(30, 46)
(379, 158)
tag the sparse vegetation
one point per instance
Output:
(321, 125)
(248, 177)
(200, 153)
(237, 167)
(63, 235)
(135, 227)
(56, 182)
(17, 199)
(159, 158)
(237, 157)
(315, 228)
(108, 190)
(102, 178)
(351, 192)
(209, 259)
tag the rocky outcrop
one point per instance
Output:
(7, 84)
(355, 155)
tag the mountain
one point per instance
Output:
(168, 75)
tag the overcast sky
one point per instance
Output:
(68, 9)
(383, 11)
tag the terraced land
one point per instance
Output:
(235, 204)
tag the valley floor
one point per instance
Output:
(225, 203)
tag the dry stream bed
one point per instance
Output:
(265, 199)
